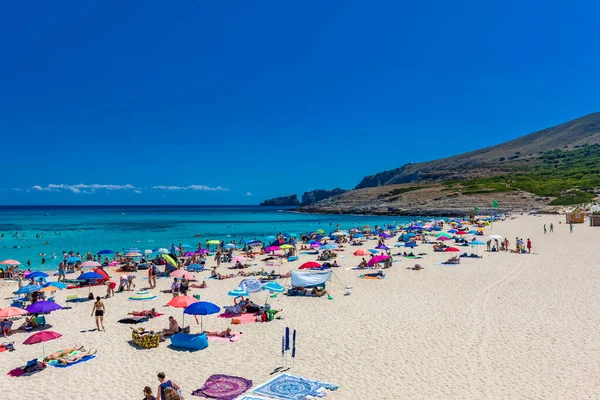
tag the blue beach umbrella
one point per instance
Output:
(329, 247)
(103, 252)
(476, 243)
(472, 232)
(202, 308)
(411, 245)
(57, 285)
(37, 274)
(399, 244)
(373, 251)
(90, 276)
(28, 289)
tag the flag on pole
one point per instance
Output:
(476, 209)
(494, 204)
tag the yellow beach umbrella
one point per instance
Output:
(170, 260)
(286, 246)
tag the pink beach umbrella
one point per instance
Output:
(443, 238)
(182, 273)
(271, 249)
(91, 264)
(10, 262)
(10, 312)
(377, 260)
(41, 337)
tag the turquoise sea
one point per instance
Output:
(94, 228)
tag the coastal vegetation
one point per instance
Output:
(570, 176)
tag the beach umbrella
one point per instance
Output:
(472, 232)
(385, 235)
(195, 267)
(142, 296)
(202, 308)
(40, 307)
(286, 246)
(10, 312)
(399, 244)
(161, 250)
(42, 337)
(90, 276)
(443, 238)
(28, 289)
(495, 237)
(214, 241)
(181, 273)
(377, 259)
(105, 252)
(451, 250)
(382, 247)
(316, 245)
(373, 251)
(271, 249)
(37, 274)
(452, 230)
(91, 264)
(230, 246)
(338, 233)
(133, 254)
(182, 301)
(443, 234)
(10, 262)
(169, 259)
(361, 252)
(477, 243)
(73, 260)
(461, 233)
(237, 293)
(411, 245)
(329, 247)
(310, 265)
(56, 285)
(49, 289)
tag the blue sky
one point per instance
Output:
(198, 102)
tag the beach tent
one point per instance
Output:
(310, 279)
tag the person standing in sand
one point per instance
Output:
(99, 311)
(164, 384)
(551, 227)
(570, 227)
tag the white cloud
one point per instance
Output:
(78, 188)
(248, 194)
(192, 187)
(82, 188)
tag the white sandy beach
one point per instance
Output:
(506, 326)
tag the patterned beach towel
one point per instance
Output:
(290, 387)
(223, 387)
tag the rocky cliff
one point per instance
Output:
(284, 201)
(314, 196)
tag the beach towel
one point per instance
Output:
(223, 387)
(290, 387)
(56, 364)
(235, 338)
(371, 277)
(133, 320)
(250, 397)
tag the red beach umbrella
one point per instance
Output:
(310, 265)
(451, 250)
(42, 337)
(361, 252)
(182, 301)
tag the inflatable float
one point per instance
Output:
(189, 341)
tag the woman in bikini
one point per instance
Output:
(99, 311)
(224, 334)
(62, 353)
